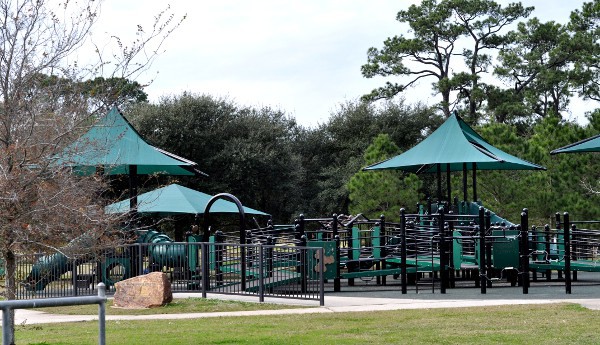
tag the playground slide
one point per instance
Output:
(167, 255)
(49, 268)
(472, 208)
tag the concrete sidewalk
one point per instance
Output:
(333, 304)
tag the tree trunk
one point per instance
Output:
(11, 287)
(446, 103)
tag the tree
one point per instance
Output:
(43, 205)
(373, 193)
(438, 29)
(544, 193)
(334, 151)
(585, 26)
(245, 151)
(538, 63)
(100, 94)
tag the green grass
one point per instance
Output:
(178, 306)
(523, 324)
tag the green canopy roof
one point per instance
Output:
(112, 143)
(586, 145)
(454, 143)
(176, 199)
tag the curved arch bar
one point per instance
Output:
(206, 235)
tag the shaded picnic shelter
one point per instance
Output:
(112, 146)
(454, 146)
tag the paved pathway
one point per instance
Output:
(333, 304)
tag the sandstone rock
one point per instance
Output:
(146, 291)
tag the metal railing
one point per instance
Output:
(263, 270)
(8, 306)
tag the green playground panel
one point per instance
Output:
(331, 266)
(505, 252)
(370, 238)
(458, 257)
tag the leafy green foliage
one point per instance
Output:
(438, 29)
(336, 153)
(558, 189)
(267, 160)
(373, 193)
(246, 152)
(538, 64)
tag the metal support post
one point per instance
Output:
(403, 277)
(567, 236)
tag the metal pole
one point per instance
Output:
(525, 251)
(9, 306)
(141, 259)
(465, 182)
(321, 277)
(261, 282)
(133, 187)
(439, 182)
(337, 280)
(488, 247)
(303, 263)
(567, 240)
(403, 278)
(74, 277)
(448, 185)
(482, 264)
(6, 325)
(205, 269)
(102, 314)
(443, 263)
(474, 182)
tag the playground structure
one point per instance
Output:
(444, 242)
(430, 248)
(211, 266)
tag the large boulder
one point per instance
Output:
(147, 291)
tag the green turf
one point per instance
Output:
(178, 306)
(522, 324)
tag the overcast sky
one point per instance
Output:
(301, 56)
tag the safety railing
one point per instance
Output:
(8, 306)
(263, 270)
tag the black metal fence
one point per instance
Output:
(224, 268)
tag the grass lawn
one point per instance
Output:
(178, 306)
(522, 324)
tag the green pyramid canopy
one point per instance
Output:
(454, 143)
(176, 199)
(113, 144)
(586, 145)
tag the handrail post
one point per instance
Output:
(567, 240)
(336, 237)
(261, 273)
(321, 251)
(204, 268)
(443, 262)
(102, 314)
(8, 308)
(488, 247)
(403, 278)
(482, 245)
(6, 325)
(525, 251)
